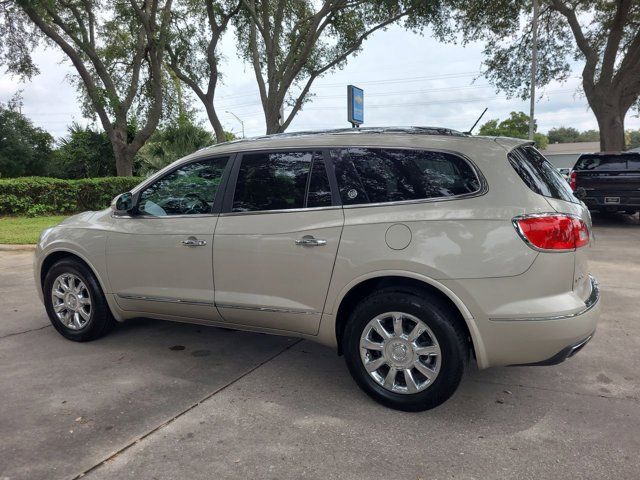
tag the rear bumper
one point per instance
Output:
(541, 340)
(567, 352)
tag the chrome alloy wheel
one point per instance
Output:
(71, 301)
(400, 352)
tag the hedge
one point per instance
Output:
(34, 196)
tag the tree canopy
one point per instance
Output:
(117, 48)
(516, 126)
(290, 43)
(603, 36)
(24, 149)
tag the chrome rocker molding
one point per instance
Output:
(218, 305)
(267, 309)
(164, 299)
(589, 303)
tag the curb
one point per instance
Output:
(16, 248)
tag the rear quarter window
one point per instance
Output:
(380, 175)
(539, 175)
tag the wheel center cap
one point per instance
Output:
(399, 353)
(71, 301)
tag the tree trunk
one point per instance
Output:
(271, 110)
(218, 130)
(124, 161)
(605, 103)
(611, 124)
(122, 150)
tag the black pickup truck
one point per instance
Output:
(608, 182)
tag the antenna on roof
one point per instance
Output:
(474, 125)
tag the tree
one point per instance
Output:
(84, 153)
(589, 136)
(570, 134)
(117, 49)
(563, 135)
(192, 50)
(24, 149)
(290, 43)
(633, 138)
(516, 126)
(604, 35)
(180, 137)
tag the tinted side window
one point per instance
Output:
(272, 181)
(374, 175)
(189, 190)
(539, 175)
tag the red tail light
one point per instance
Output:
(552, 231)
(573, 181)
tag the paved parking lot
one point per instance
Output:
(156, 400)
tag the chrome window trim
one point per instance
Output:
(165, 217)
(268, 309)
(589, 303)
(516, 225)
(284, 210)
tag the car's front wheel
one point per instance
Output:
(405, 350)
(75, 303)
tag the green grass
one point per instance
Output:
(21, 230)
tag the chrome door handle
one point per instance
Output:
(194, 242)
(310, 241)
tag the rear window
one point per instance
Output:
(608, 163)
(539, 175)
(378, 175)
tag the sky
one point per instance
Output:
(408, 79)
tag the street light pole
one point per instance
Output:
(237, 118)
(534, 67)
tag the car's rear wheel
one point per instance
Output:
(75, 303)
(405, 350)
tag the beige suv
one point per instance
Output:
(406, 249)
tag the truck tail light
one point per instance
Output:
(552, 231)
(573, 181)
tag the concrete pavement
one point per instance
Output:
(237, 405)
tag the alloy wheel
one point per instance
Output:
(71, 301)
(400, 352)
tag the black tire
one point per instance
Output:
(100, 320)
(450, 336)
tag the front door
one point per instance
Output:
(160, 260)
(275, 249)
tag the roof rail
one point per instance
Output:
(354, 131)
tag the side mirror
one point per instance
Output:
(123, 203)
(580, 193)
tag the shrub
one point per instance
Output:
(34, 196)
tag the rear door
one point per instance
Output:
(276, 241)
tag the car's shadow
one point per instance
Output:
(618, 220)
